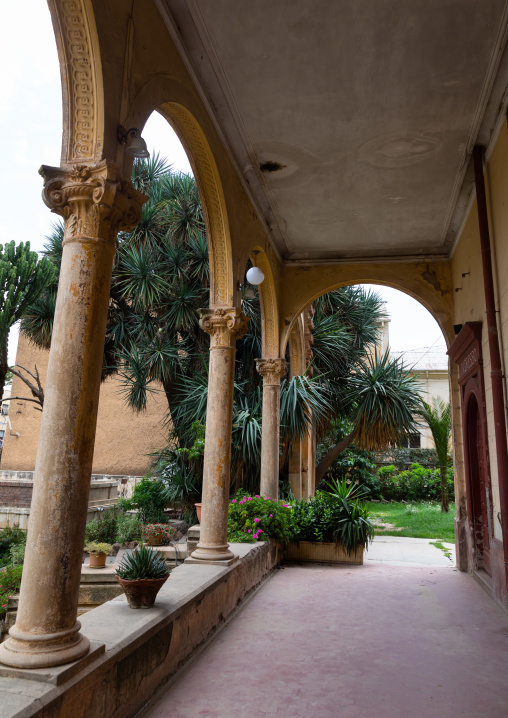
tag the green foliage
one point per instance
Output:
(438, 417)
(336, 516)
(353, 464)
(10, 581)
(419, 483)
(17, 553)
(10, 538)
(143, 562)
(158, 534)
(149, 498)
(97, 548)
(254, 518)
(102, 530)
(23, 276)
(128, 528)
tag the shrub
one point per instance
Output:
(102, 529)
(10, 581)
(254, 518)
(97, 548)
(150, 498)
(143, 562)
(337, 515)
(416, 484)
(17, 553)
(10, 537)
(357, 467)
(128, 528)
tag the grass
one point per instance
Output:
(418, 520)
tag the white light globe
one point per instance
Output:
(255, 276)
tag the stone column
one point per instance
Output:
(95, 204)
(225, 325)
(271, 370)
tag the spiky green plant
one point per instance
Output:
(23, 276)
(438, 417)
(143, 563)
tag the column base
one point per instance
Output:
(212, 553)
(25, 650)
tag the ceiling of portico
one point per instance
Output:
(351, 120)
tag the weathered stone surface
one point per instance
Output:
(144, 649)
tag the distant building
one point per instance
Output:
(430, 364)
(4, 417)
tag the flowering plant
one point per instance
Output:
(10, 581)
(157, 534)
(257, 518)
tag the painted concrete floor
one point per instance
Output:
(372, 641)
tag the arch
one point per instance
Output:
(269, 308)
(296, 343)
(81, 78)
(211, 192)
(429, 284)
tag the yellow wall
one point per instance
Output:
(470, 299)
(122, 440)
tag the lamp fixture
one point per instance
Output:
(136, 146)
(255, 275)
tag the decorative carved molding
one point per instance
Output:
(214, 204)
(224, 325)
(80, 62)
(272, 370)
(94, 201)
(269, 313)
(308, 325)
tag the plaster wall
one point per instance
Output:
(123, 438)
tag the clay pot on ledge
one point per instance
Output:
(198, 511)
(98, 560)
(142, 592)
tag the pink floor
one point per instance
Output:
(354, 642)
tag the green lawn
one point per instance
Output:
(419, 520)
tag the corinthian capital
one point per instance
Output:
(224, 325)
(94, 201)
(272, 370)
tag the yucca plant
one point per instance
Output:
(355, 528)
(142, 563)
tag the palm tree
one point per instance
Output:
(438, 417)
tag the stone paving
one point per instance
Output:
(377, 640)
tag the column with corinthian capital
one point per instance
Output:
(224, 325)
(95, 204)
(272, 370)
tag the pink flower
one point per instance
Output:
(271, 516)
(257, 496)
(245, 498)
(285, 505)
(267, 498)
(260, 531)
(241, 502)
(249, 531)
(250, 498)
(256, 521)
(234, 501)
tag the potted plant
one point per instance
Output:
(141, 575)
(157, 534)
(98, 553)
(333, 527)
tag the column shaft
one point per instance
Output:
(46, 631)
(271, 370)
(224, 325)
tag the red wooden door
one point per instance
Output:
(478, 485)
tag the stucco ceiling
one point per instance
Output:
(352, 121)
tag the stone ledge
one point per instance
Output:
(143, 649)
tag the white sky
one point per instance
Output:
(30, 126)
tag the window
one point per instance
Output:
(2, 434)
(415, 441)
(5, 409)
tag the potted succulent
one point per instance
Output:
(98, 553)
(141, 575)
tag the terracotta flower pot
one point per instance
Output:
(141, 593)
(198, 511)
(98, 560)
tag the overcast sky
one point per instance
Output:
(30, 123)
